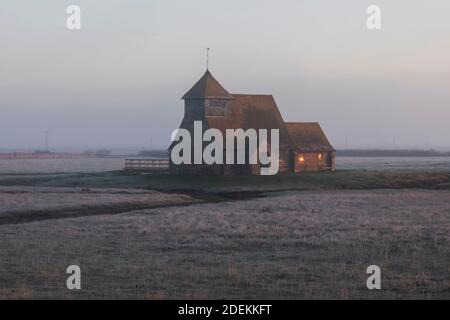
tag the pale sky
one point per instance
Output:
(117, 82)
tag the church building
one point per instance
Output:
(303, 146)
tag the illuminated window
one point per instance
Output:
(301, 158)
(320, 156)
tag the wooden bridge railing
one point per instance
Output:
(147, 164)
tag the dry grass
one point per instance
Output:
(287, 246)
(25, 204)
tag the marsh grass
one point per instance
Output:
(291, 245)
(339, 180)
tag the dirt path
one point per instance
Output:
(85, 211)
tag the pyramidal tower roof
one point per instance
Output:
(207, 87)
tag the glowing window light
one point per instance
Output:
(320, 156)
(301, 158)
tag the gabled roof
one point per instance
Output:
(308, 137)
(248, 111)
(252, 112)
(207, 87)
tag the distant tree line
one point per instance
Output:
(155, 153)
(391, 153)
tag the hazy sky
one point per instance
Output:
(118, 82)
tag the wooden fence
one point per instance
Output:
(146, 164)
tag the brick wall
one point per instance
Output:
(314, 161)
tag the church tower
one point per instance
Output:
(207, 98)
(205, 101)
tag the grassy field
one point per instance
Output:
(27, 204)
(308, 236)
(292, 245)
(307, 181)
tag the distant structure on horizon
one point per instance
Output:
(303, 146)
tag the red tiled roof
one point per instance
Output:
(257, 112)
(252, 112)
(207, 87)
(308, 136)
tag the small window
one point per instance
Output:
(216, 108)
(218, 103)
